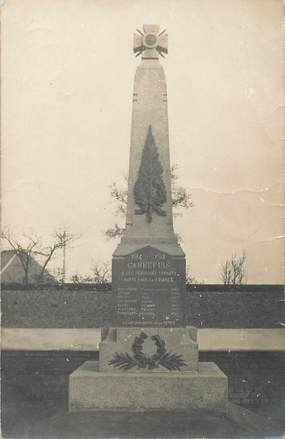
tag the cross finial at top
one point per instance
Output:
(150, 42)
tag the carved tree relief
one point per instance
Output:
(149, 189)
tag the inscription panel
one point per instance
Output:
(149, 288)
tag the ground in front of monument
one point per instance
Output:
(49, 419)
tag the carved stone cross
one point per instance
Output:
(150, 42)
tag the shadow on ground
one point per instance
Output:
(36, 422)
(49, 419)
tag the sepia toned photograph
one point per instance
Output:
(142, 228)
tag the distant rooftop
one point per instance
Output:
(12, 270)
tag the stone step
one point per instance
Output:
(90, 389)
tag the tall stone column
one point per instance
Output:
(148, 360)
(149, 219)
(148, 274)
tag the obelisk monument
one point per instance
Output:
(148, 272)
(148, 359)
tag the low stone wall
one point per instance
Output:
(91, 306)
(255, 378)
(71, 306)
(244, 306)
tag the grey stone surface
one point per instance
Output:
(90, 389)
(149, 288)
(151, 367)
(148, 271)
(149, 111)
(178, 340)
(175, 336)
(85, 306)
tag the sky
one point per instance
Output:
(67, 78)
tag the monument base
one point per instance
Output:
(90, 389)
(148, 369)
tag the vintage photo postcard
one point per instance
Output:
(142, 238)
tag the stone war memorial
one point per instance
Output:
(149, 359)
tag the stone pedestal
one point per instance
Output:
(149, 287)
(121, 340)
(148, 369)
(90, 389)
(150, 360)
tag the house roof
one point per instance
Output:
(12, 270)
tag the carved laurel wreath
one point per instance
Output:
(125, 361)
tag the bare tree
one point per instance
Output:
(114, 232)
(189, 278)
(27, 247)
(233, 270)
(121, 196)
(181, 198)
(23, 251)
(61, 240)
(100, 274)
